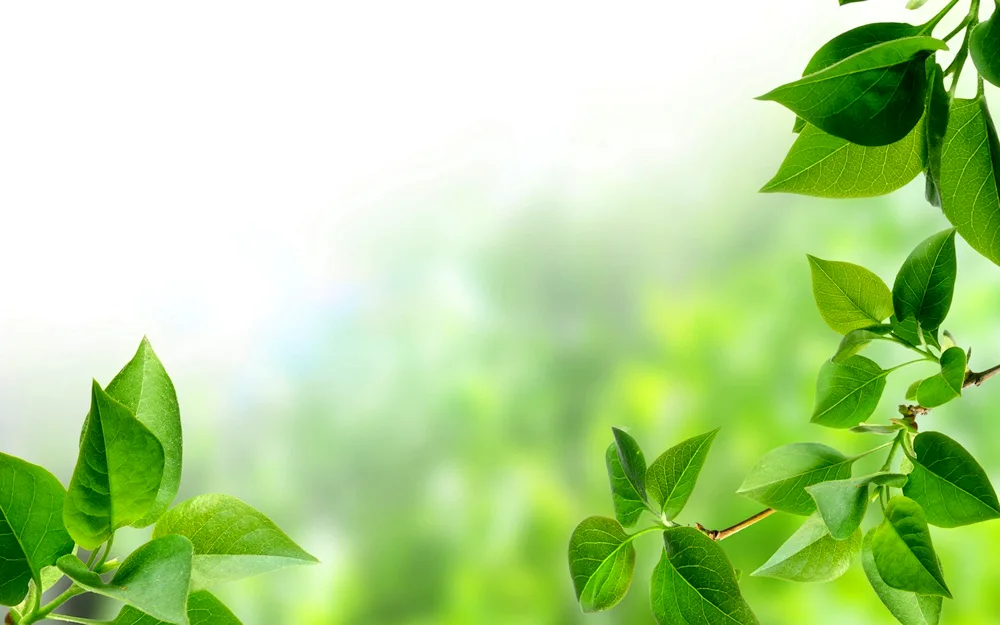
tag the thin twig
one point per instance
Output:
(742, 525)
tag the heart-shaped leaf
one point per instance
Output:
(856, 340)
(984, 48)
(903, 551)
(811, 554)
(601, 561)
(231, 539)
(949, 484)
(202, 608)
(842, 503)
(908, 608)
(849, 297)
(671, 478)
(629, 506)
(926, 281)
(780, 478)
(695, 583)
(848, 392)
(945, 386)
(117, 475)
(32, 536)
(632, 461)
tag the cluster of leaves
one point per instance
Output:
(872, 113)
(127, 475)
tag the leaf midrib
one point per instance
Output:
(845, 294)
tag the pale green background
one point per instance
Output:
(408, 262)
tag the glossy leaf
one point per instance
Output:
(984, 48)
(935, 123)
(969, 185)
(945, 386)
(780, 478)
(629, 506)
(848, 392)
(849, 297)
(811, 554)
(909, 332)
(908, 608)
(601, 561)
(842, 503)
(903, 552)
(926, 281)
(202, 609)
(632, 461)
(857, 340)
(154, 579)
(949, 484)
(231, 539)
(695, 583)
(671, 478)
(117, 475)
(32, 536)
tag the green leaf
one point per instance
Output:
(969, 186)
(601, 561)
(695, 583)
(154, 579)
(877, 428)
(848, 392)
(874, 97)
(903, 552)
(231, 539)
(908, 608)
(629, 505)
(32, 535)
(842, 503)
(949, 484)
(943, 387)
(938, 109)
(202, 609)
(811, 554)
(144, 387)
(632, 461)
(671, 478)
(910, 333)
(849, 297)
(780, 478)
(984, 48)
(117, 474)
(856, 340)
(926, 281)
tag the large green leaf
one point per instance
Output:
(969, 186)
(984, 48)
(629, 505)
(938, 109)
(231, 539)
(811, 554)
(909, 608)
(874, 97)
(144, 387)
(848, 392)
(842, 503)
(117, 475)
(632, 461)
(202, 608)
(926, 281)
(671, 478)
(945, 386)
(849, 297)
(780, 478)
(856, 340)
(32, 535)
(949, 484)
(904, 554)
(601, 562)
(154, 579)
(694, 583)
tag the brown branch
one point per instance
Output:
(972, 378)
(742, 525)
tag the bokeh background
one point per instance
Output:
(408, 262)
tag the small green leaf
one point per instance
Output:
(695, 583)
(874, 97)
(969, 185)
(926, 281)
(904, 554)
(154, 579)
(32, 536)
(231, 539)
(849, 297)
(949, 484)
(629, 506)
(984, 48)
(811, 554)
(856, 340)
(908, 608)
(943, 387)
(842, 503)
(780, 478)
(877, 428)
(910, 333)
(848, 392)
(938, 109)
(601, 561)
(671, 478)
(117, 475)
(202, 608)
(632, 461)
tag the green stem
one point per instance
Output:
(107, 552)
(40, 615)
(926, 354)
(77, 619)
(963, 53)
(871, 451)
(931, 25)
(911, 362)
(896, 442)
(961, 26)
